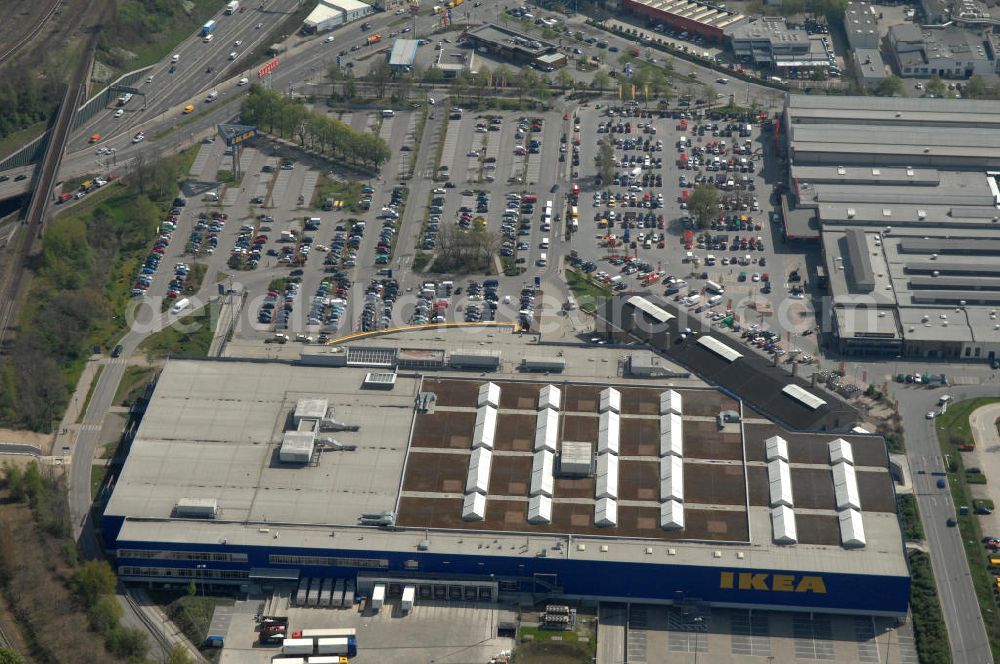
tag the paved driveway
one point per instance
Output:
(982, 422)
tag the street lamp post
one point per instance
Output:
(202, 577)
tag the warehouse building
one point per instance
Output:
(330, 14)
(913, 293)
(948, 52)
(861, 25)
(634, 492)
(952, 134)
(705, 20)
(896, 189)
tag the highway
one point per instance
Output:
(190, 78)
(966, 631)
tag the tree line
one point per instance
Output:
(82, 277)
(54, 597)
(288, 118)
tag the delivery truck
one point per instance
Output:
(378, 596)
(297, 646)
(409, 594)
(232, 7)
(208, 28)
(340, 645)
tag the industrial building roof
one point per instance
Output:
(706, 14)
(501, 37)
(870, 64)
(757, 382)
(213, 430)
(320, 14)
(347, 5)
(921, 276)
(212, 427)
(403, 54)
(772, 29)
(907, 111)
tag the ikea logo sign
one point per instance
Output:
(784, 583)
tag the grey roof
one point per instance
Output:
(905, 111)
(925, 305)
(502, 37)
(212, 430)
(924, 245)
(869, 62)
(772, 29)
(885, 175)
(905, 32)
(404, 52)
(858, 262)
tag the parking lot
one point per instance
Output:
(636, 231)
(660, 633)
(528, 181)
(445, 632)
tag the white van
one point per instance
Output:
(714, 287)
(714, 300)
(388, 113)
(180, 305)
(545, 243)
(543, 260)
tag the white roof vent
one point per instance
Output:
(886, 212)
(921, 214)
(850, 213)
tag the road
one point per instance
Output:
(966, 631)
(191, 77)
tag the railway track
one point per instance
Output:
(30, 34)
(5, 641)
(162, 641)
(22, 246)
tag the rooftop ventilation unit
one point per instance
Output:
(197, 508)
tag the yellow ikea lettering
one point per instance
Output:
(786, 583)
(811, 584)
(783, 582)
(753, 581)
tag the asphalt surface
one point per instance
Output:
(966, 631)
(169, 92)
(191, 77)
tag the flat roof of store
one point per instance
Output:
(757, 382)
(909, 111)
(212, 428)
(519, 41)
(404, 52)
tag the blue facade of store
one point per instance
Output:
(612, 579)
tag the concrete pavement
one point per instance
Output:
(983, 423)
